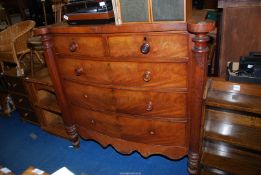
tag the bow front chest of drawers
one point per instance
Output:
(135, 87)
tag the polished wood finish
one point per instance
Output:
(90, 16)
(199, 69)
(136, 87)
(117, 74)
(232, 128)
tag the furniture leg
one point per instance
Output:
(74, 137)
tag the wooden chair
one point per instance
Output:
(13, 43)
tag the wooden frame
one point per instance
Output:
(118, 15)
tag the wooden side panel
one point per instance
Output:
(240, 34)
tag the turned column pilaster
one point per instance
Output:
(50, 60)
(198, 80)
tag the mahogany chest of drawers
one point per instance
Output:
(135, 87)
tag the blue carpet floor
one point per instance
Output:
(23, 144)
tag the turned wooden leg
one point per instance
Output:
(199, 71)
(74, 137)
(193, 163)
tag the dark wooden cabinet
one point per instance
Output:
(239, 30)
(19, 94)
(232, 127)
(135, 87)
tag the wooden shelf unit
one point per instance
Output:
(232, 127)
(43, 96)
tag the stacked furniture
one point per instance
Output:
(43, 98)
(136, 87)
(16, 88)
(232, 129)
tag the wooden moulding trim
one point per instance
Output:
(111, 28)
(127, 147)
(85, 16)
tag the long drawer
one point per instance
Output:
(131, 74)
(146, 103)
(135, 129)
(123, 45)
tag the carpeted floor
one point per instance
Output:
(23, 144)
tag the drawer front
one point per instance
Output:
(92, 46)
(124, 101)
(135, 129)
(160, 75)
(158, 45)
(21, 101)
(15, 84)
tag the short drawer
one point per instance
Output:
(135, 129)
(159, 104)
(92, 46)
(21, 101)
(148, 45)
(157, 75)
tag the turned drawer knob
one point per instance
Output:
(73, 46)
(14, 85)
(20, 100)
(149, 106)
(147, 76)
(26, 114)
(92, 122)
(152, 132)
(78, 71)
(145, 48)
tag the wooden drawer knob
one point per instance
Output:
(149, 106)
(145, 48)
(152, 132)
(78, 71)
(14, 85)
(73, 46)
(20, 100)
(92, 122)
(147, 76)
(26, 114)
